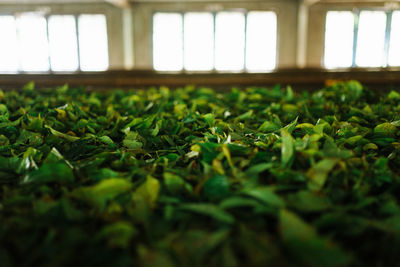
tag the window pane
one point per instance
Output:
(8, 44)
(261, 41)
(93, 44)
(371, 39)
(33, 47)
(199, 41)
(229, 41)
(63, 43)
(394, 50)
(339, 35)
(167, 41)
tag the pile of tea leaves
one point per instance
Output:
(196, 177)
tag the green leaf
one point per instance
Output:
(36, 124)
(318, 173)
(265, 195)
(209, 210)
(238, 202)
(4, 110)
(156, 130)
(118, 234)
(210, 119)
(99, 194)
(131, 141)
(396, 123)
(29, 138)
(50, 172)
(370, 146)
(29, 86)
(216, 188)
(287, 150)
(268, 127)
(246, 115)
(393, 95)
(259, 168)
(147, 193)
(106, 140)
(62, 135)
(195, 176)
(208, 151)
(306, 201)
(293, 228)
(291, 126)
(354, 140)
(304, 244)
(175, 184)
(386, 129)
(9, 164)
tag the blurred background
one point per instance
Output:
(199, 37)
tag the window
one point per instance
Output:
(199, 32)
(167, 41)
(229, 41)
(8, 53)
(261, 41)
(32, 35)
(371, 39)
(34, 42)
(225, 41)
(339, 39)
(394, 47)
(367, 38)
(93, 42)
(63, 45)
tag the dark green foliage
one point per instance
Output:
(193, 177)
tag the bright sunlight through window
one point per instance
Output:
(8, 44)
(199, 41)
(63, 43)
(167, 42)
(339, 32)
(224, 41)
(33, 42)
(93, 42)
(32, 35)
(261, 41)
(229, 41)
(371, 39)
(394, 49)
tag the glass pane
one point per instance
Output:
(93, 44)
(394, 50)
(339, 36)
(261, 41)
(63, 43)
(167, 41)
(33, 47)
(229, 41)
(371, 39)
(199, 41)
(8, 44)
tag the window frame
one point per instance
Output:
(356, 14)
(245, 12)
(46, 16)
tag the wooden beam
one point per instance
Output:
(378, 79)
